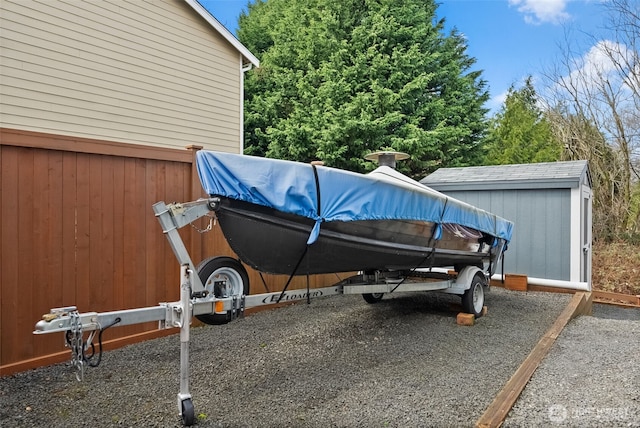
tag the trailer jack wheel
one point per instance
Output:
(473, 298)
(188, 413)
(372, 297)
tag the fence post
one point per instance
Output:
(195, 192)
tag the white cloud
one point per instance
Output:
(600, 75)
(598, 63)
(541, 11)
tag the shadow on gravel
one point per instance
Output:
(425, 303)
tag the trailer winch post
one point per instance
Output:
(174, 216)
(171, 218)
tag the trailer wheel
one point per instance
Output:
(473, 298)
(188, 412)
(224, 277)
(372, 297)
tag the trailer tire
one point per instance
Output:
(372, 297)
(235, 278)
(188, 412)
(473, 298)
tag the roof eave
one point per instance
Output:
(223, 32)
(455, 179)
(502, 185)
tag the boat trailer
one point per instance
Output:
(223, 297)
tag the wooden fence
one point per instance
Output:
(77, 228)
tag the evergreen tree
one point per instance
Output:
(520, 132)
(342, 78)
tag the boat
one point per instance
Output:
(285, 217)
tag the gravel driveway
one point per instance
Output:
(590, 378)
(336, 362)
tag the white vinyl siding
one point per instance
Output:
(147, 72)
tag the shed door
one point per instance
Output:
(585, 261)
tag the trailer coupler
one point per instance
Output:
(71, 322)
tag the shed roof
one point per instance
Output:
(547, 175)
(251, 58)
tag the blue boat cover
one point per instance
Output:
(293, 187)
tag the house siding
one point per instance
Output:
(146, 72)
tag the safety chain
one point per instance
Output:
(75, 342)
(212, 222)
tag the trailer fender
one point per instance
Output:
(466, 276)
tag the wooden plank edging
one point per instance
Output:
(610, 298)
(599, 296)
(496, 413)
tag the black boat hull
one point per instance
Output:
(274, 242)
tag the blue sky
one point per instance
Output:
(510, 39)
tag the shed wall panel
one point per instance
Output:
(540, 246)
(138, 72)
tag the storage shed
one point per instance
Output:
(550, 204)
